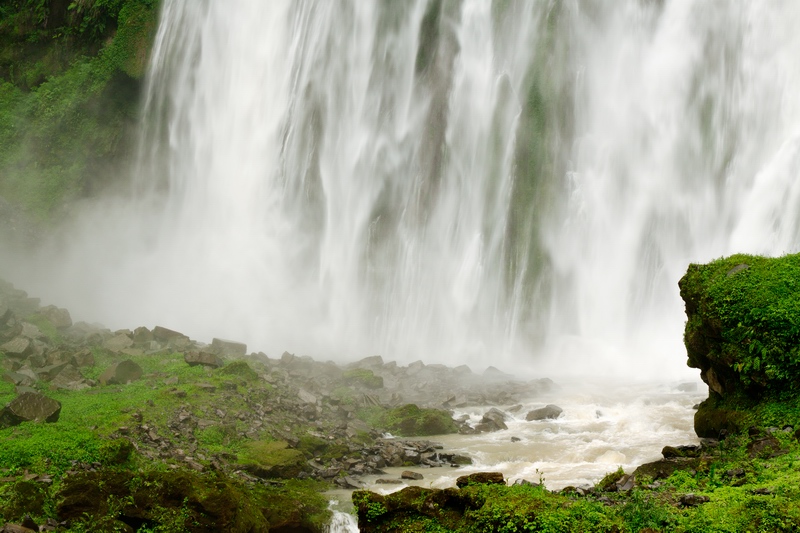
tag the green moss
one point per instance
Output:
(411, 421)
(239, 369)
(272, 458)
(68, 98)
(745, 313)
(45, 326)
(362, 377)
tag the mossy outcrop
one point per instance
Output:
(70, 78)
(743, 333)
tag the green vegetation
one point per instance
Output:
(103, 464)
(362, 377)
(69, 83)
(751, 303)
(743, 333)
(745, 492)
(409, 420)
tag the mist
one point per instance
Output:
(518, 185)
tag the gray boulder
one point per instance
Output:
(117, 343)
(29, 407)
(203, 358)
(17, 347)
(121, 373)
(226, 347)
(549, 411)
(58, 317)
(493, 420)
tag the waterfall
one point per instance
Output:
(455, 181)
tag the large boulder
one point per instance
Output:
(548, 412)
(493, 420)
(203, 358)
(743, 333)
(227, 348)
(60, 318)
(18, 347)
(121, 373)
(29, 407)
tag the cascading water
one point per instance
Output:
(474, 181)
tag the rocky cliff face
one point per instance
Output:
(743, 333)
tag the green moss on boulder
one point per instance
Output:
(743, 333)
(412, 421)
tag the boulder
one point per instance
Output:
(29, 407)
(408, 474)
(228, 348)
(739, 332)
(83, 358)
(549, 411)
(18, 347)
(18, 378)
(117, 343)
(483, 478)
(163, 334)
(58, 317)
(203, 358)
(121, 373)
(142, 335)
(493, 420)
(69, 378)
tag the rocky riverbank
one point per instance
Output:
(742, 334)
(125, 411)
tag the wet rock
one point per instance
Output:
(18, 347)
(625, 483)
(763, 447)
(693, 500)
(60, 318)
(383, 481)
(142, 335)
(121, 373)
(493, 420)
(485, 478)
(549, 411)
(83, 358)
(670, 452)
(31, 331)
(17, 528)
(228, 348)
(49, 372)
(306, 396)
(408, 474)
(29, 407)
(347, 482)
(118, 343)
(203, 358)
(69, 378)
(374, 361)
(167, 335)
(18, 378)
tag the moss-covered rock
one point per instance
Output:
(412, 421)
(362, 377)
(272, 459)
(743, 333)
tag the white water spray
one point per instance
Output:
(449, 181)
